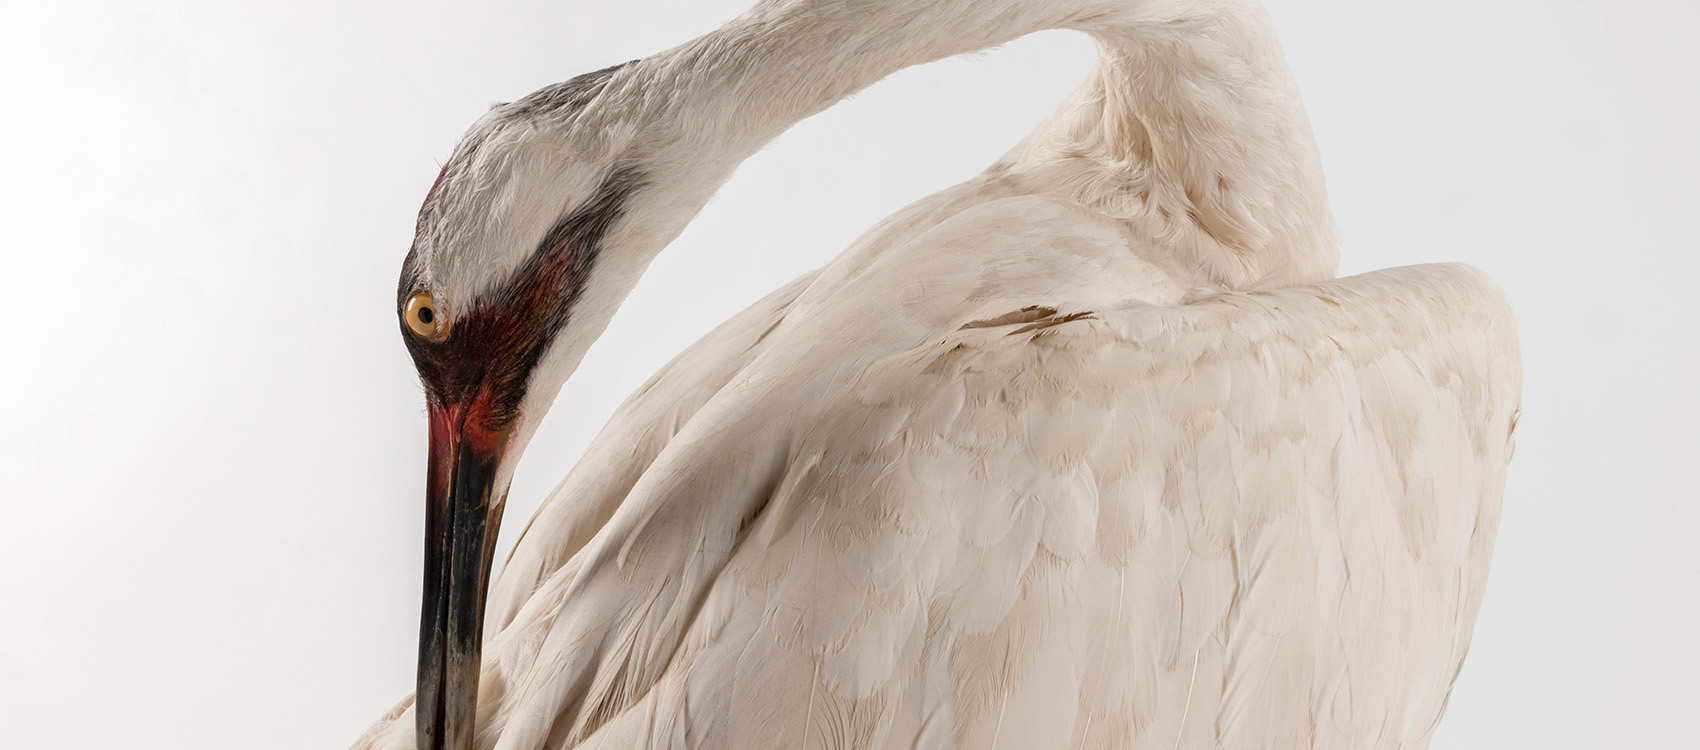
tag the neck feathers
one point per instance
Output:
(1189, 129)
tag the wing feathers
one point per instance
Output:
(1254, 520)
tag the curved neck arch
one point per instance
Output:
(1189, 128)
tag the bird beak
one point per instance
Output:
(461, 522)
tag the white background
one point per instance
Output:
(212, 443)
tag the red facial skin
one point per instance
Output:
(476, 370)
(475, 377)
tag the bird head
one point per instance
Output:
(527, 242)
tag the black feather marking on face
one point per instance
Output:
(485, 362)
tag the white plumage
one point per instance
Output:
(1089, 451)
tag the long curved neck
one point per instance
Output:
(785, 60)
(1189, 129)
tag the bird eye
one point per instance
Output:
(422, 318)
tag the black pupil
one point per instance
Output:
(425, 315)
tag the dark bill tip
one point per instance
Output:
(460, 533)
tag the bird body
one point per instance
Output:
(1088, 451)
